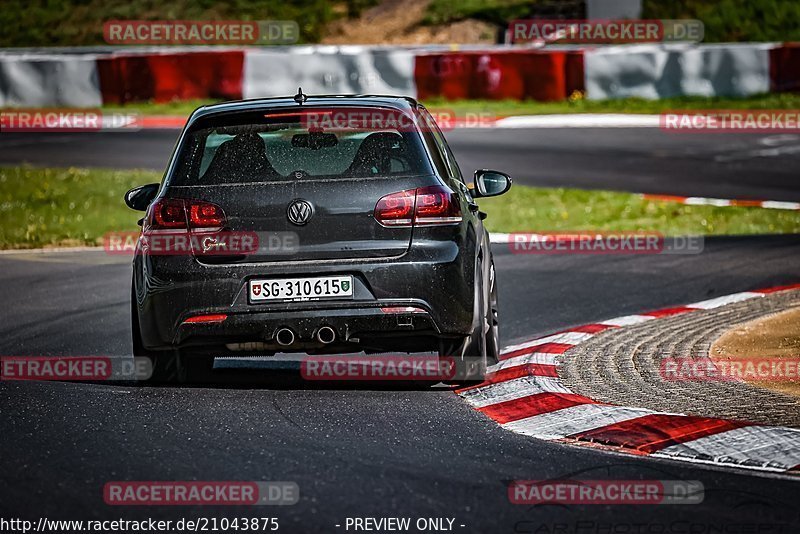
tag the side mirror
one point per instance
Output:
(490, 183)
(140, 197)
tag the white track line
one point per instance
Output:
(580, 120)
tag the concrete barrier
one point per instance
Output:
(49, 81)
(107, 76)
(661, 71)
(328, 70)
(171, 76)
(499, 74)
(784, 68)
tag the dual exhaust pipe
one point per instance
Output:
(286, 337)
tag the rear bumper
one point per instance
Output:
(354, 326)
(436, 277)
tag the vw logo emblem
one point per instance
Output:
(299, 212)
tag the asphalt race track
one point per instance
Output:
(644, 160)
(380, 452)
(353, 452)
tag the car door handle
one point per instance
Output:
(482, 215)
(473, 207)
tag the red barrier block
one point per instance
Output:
(545, 76)
(166, 77)
(197, 75)
(125, 79)
(573, 72)
(447, 75)
(784, 68)
(499, 75)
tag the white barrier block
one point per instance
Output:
(661, 71)
(328, 70)
(65, 81)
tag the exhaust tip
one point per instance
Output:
(284, 337)
(326, 335)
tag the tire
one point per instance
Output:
(471, 353)
(164, 364)
(195, 368)
(492, 335)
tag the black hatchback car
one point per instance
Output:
(331, 224)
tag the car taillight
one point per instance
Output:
(183, 214)
(436, 205)
(424, 206)
(205, 215)
(168, 213)
(396, 209)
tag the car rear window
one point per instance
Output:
(288, 145)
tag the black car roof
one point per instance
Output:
(403, 103)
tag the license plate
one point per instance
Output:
(325, 287)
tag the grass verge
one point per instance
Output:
(70, 207)
(558, 209)
(65, 207)
(623, 105)
(532, 107)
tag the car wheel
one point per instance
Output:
(163, 364)
(195, 368)
(492, 335)
(470, 354)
